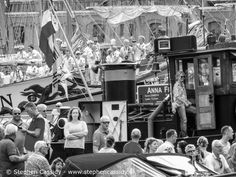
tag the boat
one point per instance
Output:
(145, 115)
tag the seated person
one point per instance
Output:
(32, 70)
(34, 55)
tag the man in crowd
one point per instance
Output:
(35, 132)
(100, 134)
(133, 145)
(227, 135)
(216, 161)
(20, 135)
(37, 163)
(168, 145)
(42, 108)
(9, 155)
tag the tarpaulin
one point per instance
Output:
(119, 14)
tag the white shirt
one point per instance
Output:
(214, 164)
(166, 147)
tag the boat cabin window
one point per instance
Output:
(216, 70)
(187, 66)
(203, 73)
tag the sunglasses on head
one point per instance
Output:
(16, 113)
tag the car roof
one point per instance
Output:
(97, 161)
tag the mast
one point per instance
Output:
(3, 31)
(203, 23)
(71, 51)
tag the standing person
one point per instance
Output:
(42, 108)
(47, 137)
(37, 164)
(55, 113)
(35, 132)
(9, 155)
(75, 131)
(133, 145)
(151, 144)
(216, 161)
(227, 135)
(100, 134)
(109, 145)
(20, 135)
(168, 146)
(181, 102)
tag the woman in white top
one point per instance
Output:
(75, 131)
(109, 145)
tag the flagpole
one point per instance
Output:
(70, 49)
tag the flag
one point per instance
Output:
(49, 27)
(79, 40)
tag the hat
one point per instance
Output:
(105, 119)
(190, 147)
(59, 104)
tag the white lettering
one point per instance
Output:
(154, 90)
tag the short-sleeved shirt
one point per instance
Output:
(7, 149)
(20, 136)
(36, 123)
(107, 150)
(99, 137)
(166, 147)
(217, 164)
(37, 165)
(133, 148)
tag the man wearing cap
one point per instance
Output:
(133, 145)
(100, 134)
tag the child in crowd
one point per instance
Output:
(109, 146)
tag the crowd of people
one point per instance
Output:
(26, 146)
(30, 63)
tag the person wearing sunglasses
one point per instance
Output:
(99, 136)
(180, 102)
(20, 135)
(216, 161)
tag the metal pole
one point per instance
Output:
(203, 23)
(70, 49)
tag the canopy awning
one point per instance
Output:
(119, 14)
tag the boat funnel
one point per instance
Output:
(119, 82)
